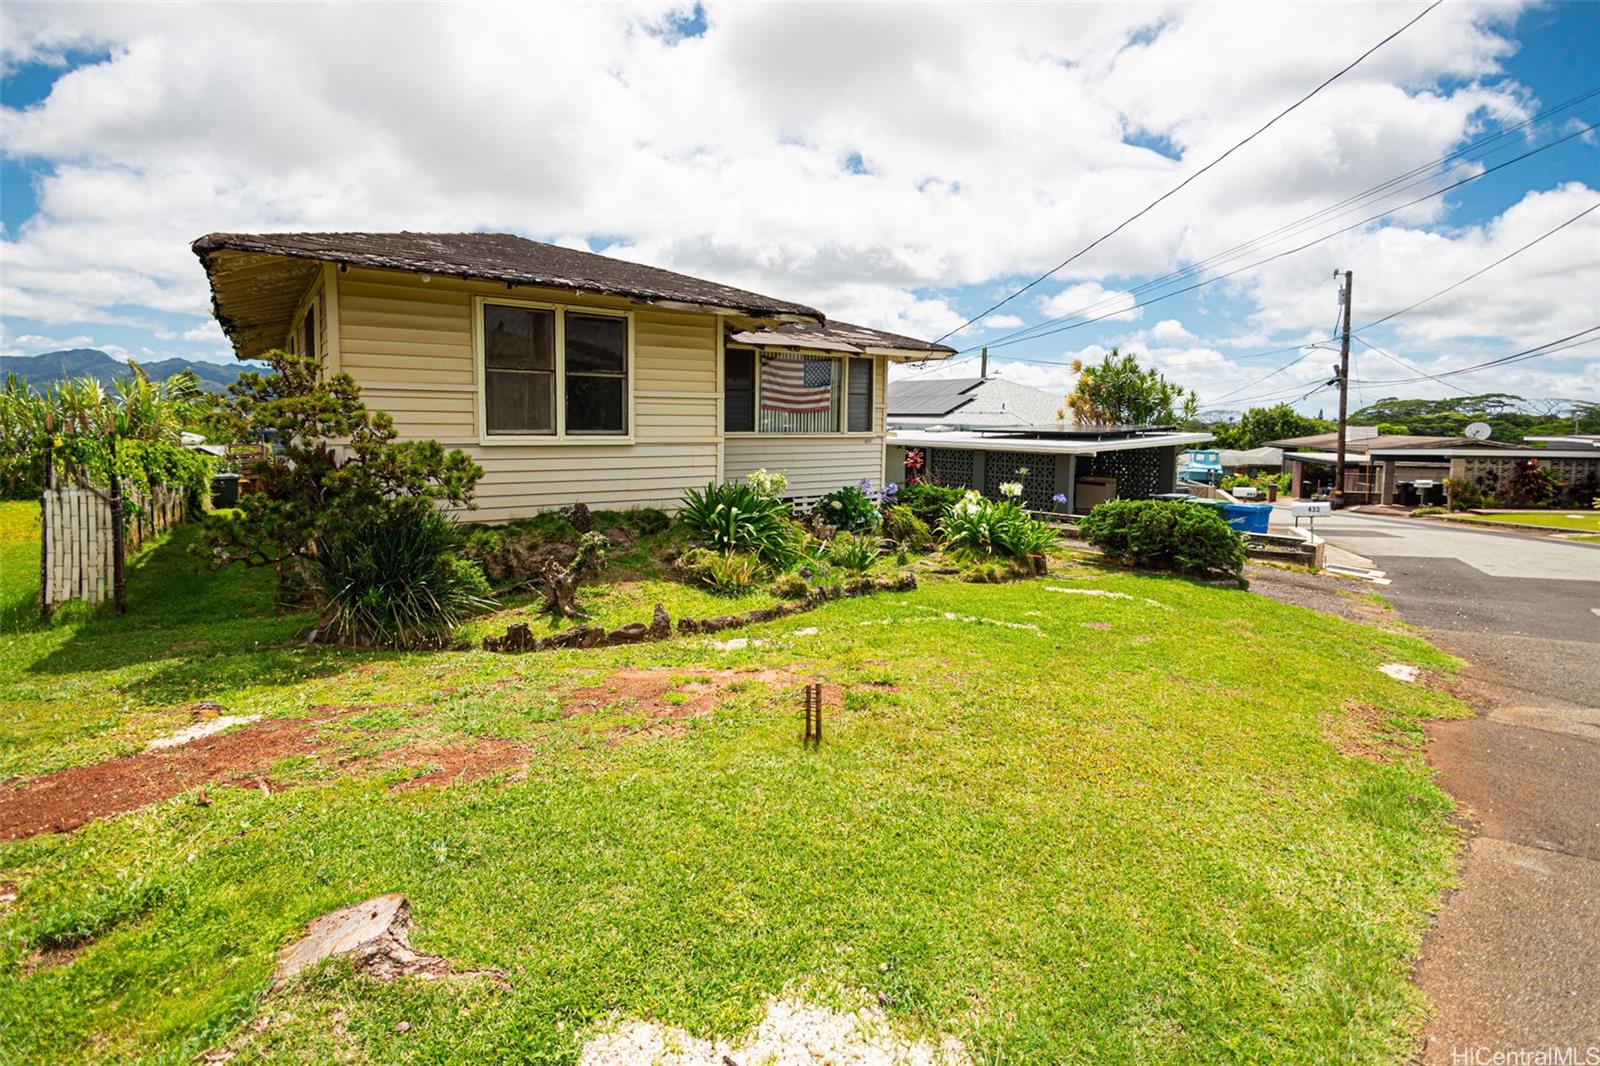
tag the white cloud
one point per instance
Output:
(1170, 330)
(1089, 299)
(697, 154)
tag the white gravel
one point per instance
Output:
(1401, 671)
(791, 1034)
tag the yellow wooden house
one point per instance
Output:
(569, 376)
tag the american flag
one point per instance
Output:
(798, 384)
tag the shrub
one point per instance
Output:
(903, 525)
(1431, 510)
(848, 509)
(1463, 495)
(768, 484)
(395, 581)
(929, 502)
(732, 518)
(849, 551)
(979, 526)
(1164, 535)
(728, 573)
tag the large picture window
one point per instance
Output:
(552, 372)
(798, 394)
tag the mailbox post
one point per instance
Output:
(1310, 510)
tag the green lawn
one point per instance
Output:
(1577, 521)
(1059, 827)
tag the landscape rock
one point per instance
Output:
(721, 622)
(660, 624)
(517, 637)
(619, 537)
(688, 625)
(632, 633)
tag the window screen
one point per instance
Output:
(519, 362)
(860, 396)
(597, 374)
(739, 391)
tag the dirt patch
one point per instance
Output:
(50, 958)
(459, 763)
(1361, 732)
(668, 699)
(64, 800)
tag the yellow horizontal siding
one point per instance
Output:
(408, 344)
(815, 465)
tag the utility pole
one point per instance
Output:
(1344, 389)
(983, 364)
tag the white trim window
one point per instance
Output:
(551, 373)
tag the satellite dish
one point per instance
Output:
(1479, 430)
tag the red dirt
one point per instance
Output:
(646, 692)
(1361, 732)
(64, 800)
(461, 762)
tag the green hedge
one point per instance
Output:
(1164, 535)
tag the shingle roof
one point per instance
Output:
(839, 337)
(502, 257)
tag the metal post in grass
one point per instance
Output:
(813, 713)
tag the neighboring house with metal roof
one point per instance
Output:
(568, 376)
(916, 403)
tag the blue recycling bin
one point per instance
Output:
(1248, 517)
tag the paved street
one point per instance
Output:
(1511, 962)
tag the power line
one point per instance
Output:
(1378, 321)
(1414, 306)
(1302, 247)
(1176, 188)
(1414, 369)
(1573, 340)
(1352, 202)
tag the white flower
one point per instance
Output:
(1011, 488)
(835, 504)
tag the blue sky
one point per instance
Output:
(921, 166)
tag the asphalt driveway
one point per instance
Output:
(1513, 962)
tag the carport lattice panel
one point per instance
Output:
(952, 466)
(1038, 485)
(1137, 470)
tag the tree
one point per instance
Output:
(313, 492)
(1259, 425)
(1119, 393)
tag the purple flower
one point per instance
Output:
(891, 490)
(1059, 499)
(865, 484)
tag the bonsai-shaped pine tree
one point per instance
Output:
(337, 467)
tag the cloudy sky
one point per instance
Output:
(899, 166)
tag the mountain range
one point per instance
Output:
(51, 367)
